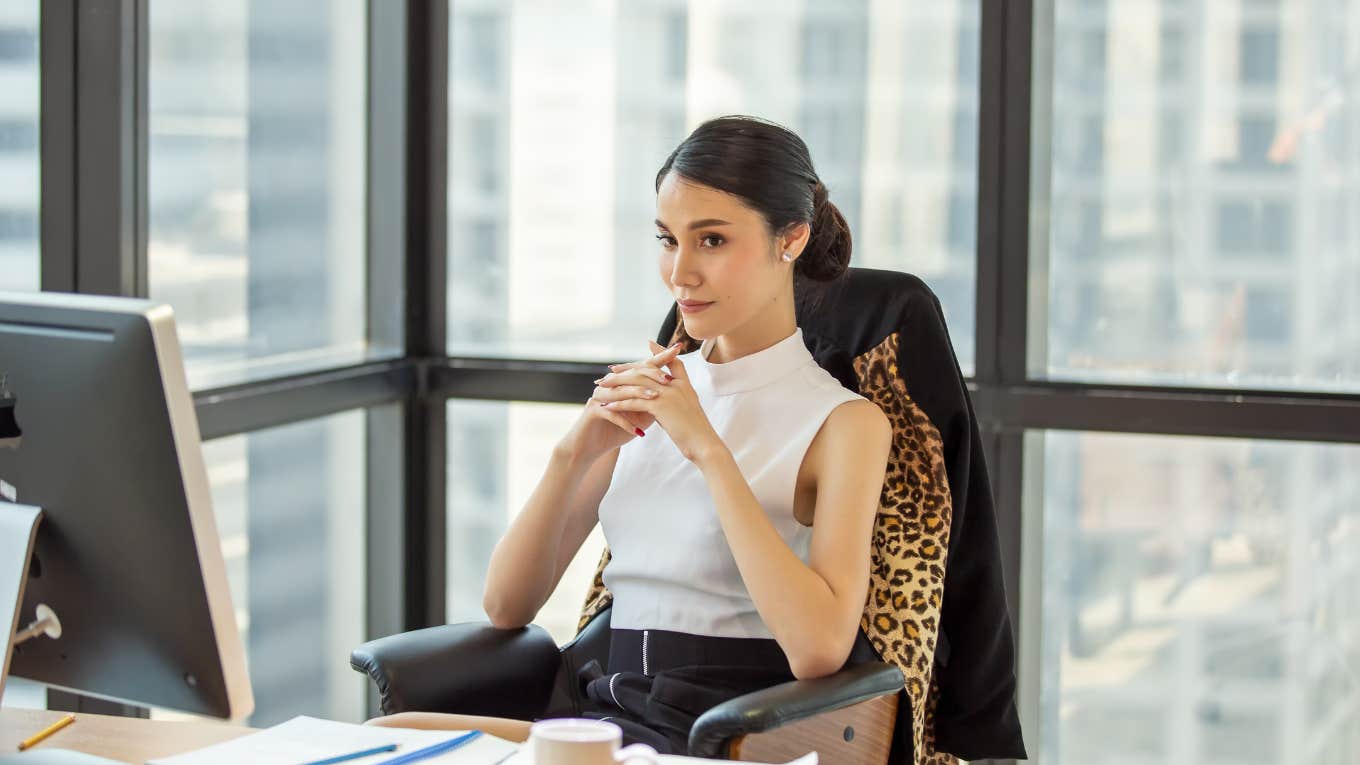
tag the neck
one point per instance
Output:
(755, 335)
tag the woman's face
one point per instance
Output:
(715, 249)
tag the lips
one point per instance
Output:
(693, 303)
(693, 308)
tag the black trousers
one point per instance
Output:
(659, 682)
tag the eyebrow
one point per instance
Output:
(701, 223)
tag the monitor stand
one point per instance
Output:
(18, 529)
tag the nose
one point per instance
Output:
(682, 267)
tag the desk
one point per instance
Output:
(120, 738)
(135, 740)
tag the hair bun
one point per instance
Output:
(818, 195)
(827, 254)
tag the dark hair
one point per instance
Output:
(768, 167)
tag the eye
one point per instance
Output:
(666, 240)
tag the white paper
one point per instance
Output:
(525, 757)
(306, 739)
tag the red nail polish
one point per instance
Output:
(639, 431)
(669, 378)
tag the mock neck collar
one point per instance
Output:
(752, 370)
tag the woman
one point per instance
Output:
(738, 492)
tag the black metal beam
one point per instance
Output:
(1003, 266)
(1259, 414)
(990, 169)
(57, 144)
(426, 307)
(385, 295)
(386, 187)
(252, 406)
(1012, 256)
(385, 528)
(513, 379)
(93, 111)
(1172, 411)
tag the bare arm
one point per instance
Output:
(813, 609)
(528, 561)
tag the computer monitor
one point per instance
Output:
(126, 553)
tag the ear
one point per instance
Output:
(795, 239)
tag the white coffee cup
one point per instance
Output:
(583, 741)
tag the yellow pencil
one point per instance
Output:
(45, 732)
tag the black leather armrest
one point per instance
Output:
(468, 668)
(788, 702)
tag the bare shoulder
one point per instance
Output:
(856, 430)
(857, 419)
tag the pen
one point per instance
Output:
(432, 750)
(353, 755)
(45, 732)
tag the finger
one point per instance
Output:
(617, 419)
(629, 405)
(659, 353)
(621, 378)
(666, 355)
(645, 373)
(655, 360)
(633, 391)
(677, 369)
(622, 392)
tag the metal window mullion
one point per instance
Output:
(1003, 312)
(1282, 415)
(259, 404)
(93, 112)
(385, 529)
(1013, 248)
(57, 154)
(384, 295)
(426, 308)
(385, 197)
(987, 368)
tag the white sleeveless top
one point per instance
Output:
(671, 567)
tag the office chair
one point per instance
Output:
(935, 674)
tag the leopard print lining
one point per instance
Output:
(911, 537)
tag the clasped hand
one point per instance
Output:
(673, 403)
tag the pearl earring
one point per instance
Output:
(788, 256)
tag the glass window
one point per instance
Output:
(497, 454)
(1194, 201)
(554, 148)
(291, 514)
(19, 259)
(1194, 600)
(257, 183)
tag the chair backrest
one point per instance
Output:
(882, 334)
(591, 642)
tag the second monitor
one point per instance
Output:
(127, 554)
